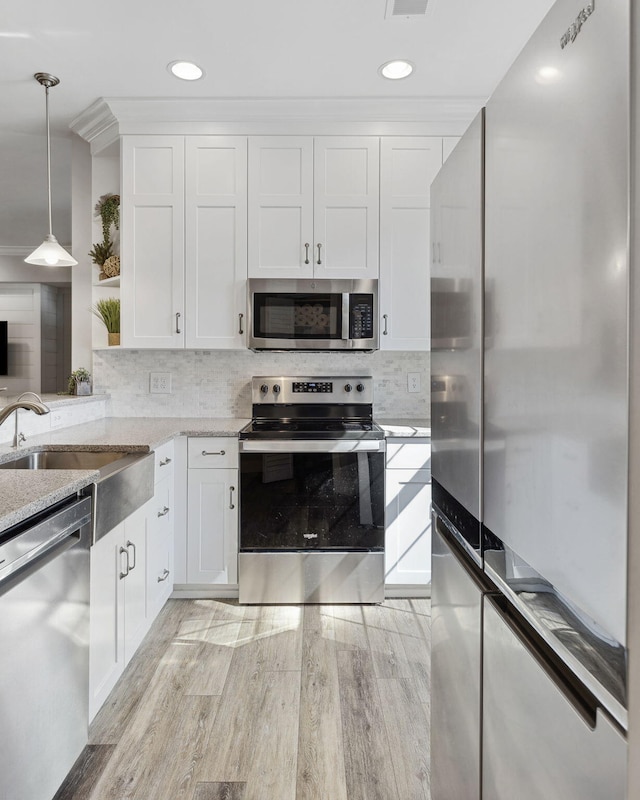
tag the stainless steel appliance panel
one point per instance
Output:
(456, 656)
(543, 736)
(44, 661)
(556, 264)
(312, 314)
(316, 577)
(456, 319)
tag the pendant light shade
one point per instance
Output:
(50, 253)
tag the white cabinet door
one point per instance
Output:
(136, 620)
(216, 241)
(152, 241)
(346, 206)
(408, 165)
(212, 536)
(280, 207)
(106, 617)
(408, 526)
(160, 545)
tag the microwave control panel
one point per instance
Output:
(360, 316)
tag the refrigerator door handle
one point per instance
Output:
(576, 694)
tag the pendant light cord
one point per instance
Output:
(46, 91)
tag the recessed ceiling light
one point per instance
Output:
(185, 70)
(546, 75)
(395, 70)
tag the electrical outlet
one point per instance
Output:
(413, 381)
(160, 382)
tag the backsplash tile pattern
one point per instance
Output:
(216, 383)
(65, 411)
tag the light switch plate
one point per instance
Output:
(160, 383)
(413, 381)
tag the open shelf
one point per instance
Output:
(108, 282)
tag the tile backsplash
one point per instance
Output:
(216, 383)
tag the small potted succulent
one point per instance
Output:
(108, 312)
(80, 382)
(108, 210)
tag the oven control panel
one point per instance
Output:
(342, 389)
(306, 387)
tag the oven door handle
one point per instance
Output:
(313, 446)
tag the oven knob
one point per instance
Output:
(348, 387)
(360, 387)
(276, 388)
(264, 388)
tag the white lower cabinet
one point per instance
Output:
(131, 579)
(408, 512)
(118, 607)
(212, 511)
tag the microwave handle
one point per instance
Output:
(345, 315)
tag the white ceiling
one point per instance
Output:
(248, 49)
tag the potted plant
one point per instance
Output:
(108, 312)
(108, 210)
(80, 382)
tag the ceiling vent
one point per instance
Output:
(406, 8)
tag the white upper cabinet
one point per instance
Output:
(216, 241)
(407, 167)
(184, 234)
(313, 207)
(152, 241)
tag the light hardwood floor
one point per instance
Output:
(230, 702)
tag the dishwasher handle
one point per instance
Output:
(32, 547)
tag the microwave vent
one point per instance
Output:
(406, 8)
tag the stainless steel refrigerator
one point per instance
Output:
(555, 406)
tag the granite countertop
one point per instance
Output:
(405, 428)
(26, 492)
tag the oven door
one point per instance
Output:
(312, 495)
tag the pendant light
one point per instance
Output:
(50, 253)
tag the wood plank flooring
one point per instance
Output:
(230, 702)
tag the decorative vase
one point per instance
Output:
(83, 388)
(114, 338)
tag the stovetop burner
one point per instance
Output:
(311, 429)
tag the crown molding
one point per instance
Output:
(107, 118)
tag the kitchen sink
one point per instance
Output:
(124, 483)
(57, 459)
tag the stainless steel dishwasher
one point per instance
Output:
(44, 658)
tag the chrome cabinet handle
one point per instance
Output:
(131, 544)
(439, 257)
(123, 550)
(231, 491)
(240, 318)
(319, 261)
(385, 332)
(178, 315)
(306, 252)
(164, 462)
(165, 575)
(164, 511)
(433, 252)
(213, 453)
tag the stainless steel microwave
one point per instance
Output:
(320, 314)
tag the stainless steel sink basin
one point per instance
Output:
(55, 459)
(125, 481)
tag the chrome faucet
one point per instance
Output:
(37, 406)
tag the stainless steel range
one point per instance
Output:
(311, 493)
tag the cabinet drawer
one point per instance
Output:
(208, 452)
(408, 454)
(163, 460)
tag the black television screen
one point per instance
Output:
(4, 348)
